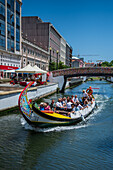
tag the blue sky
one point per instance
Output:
(87, 25)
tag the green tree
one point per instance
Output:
(105, 64)
(111, 63)
(53, 66)
(61, 65)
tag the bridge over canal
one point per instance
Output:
(83, 71)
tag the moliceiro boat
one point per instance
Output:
(43, 119)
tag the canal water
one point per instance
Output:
(83, 146)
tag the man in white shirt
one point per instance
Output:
(85, 95)
(69, 103)
(76, 99)
(59, 105)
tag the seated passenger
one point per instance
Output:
(46, 106)
(64, 101)
(85, 104)
(59, 105)
(52, 105)
(69, 103)
(73, 109)
(72, 99)
(85, 95)
(78, 106)
(76, 99)
(41, 106)
(90, 99)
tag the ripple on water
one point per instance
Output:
(83, 146)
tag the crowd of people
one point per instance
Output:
(70, 104)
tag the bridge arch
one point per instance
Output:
(83, 71)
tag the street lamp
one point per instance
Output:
(50, 59)
(57, 59)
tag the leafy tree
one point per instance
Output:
(105, 64)
(111, 63)
(53, 66)
(61, 65)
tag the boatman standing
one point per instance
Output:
(89, 91)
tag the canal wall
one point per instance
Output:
(110, 79)
(60, 81)
(9, 99)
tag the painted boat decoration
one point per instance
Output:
(43, 119)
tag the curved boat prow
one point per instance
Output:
(24, 106)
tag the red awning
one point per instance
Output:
(2, 67)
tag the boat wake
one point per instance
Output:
(55, 129)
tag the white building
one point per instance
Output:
(63, 51)
(34, 55)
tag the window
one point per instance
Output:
(2, 41)
(2, 27)
(12, 5)
(12, 32)
(2, 1)
(9, 44)
(17, 21)
(17, 46)
(12, 46)
(17, 7)
(17, 35)
(2, 10)
(8, 15)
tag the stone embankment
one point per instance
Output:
(110, 79)
(9, 99)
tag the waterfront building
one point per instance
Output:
(10, 35)
(68, 55)
(77, 62)
(89, 64)
(63, 50)
(34, 55)
(43, 34)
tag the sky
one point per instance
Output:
(87, 25)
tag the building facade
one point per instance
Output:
(68, 55)
(63, 51)
(77, 63)
(34, 55)
(10, 34)
(44, 35)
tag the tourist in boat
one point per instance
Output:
(73, 110)
(85, 95)
(85, 105)
(46, 106)
(72, 98)
(78, 106)
(90, 99)
(76, 99)
(41, 107)
(64, 101)
(52, 105)
(89, 91)
(68, 105)
(59, 105)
